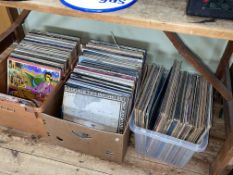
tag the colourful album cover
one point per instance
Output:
(30, 80)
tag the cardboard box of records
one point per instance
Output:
(31, 77)
(97, 102)
(88, 110)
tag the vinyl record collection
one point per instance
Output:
(175, 103)
(101, 90)
(107, 82)
(39, 63)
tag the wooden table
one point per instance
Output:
(165, 15)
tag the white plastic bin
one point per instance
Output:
(165, 148)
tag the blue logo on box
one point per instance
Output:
(98, 6)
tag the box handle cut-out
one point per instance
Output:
(81, 135)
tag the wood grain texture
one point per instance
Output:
(15, 30)
(55, 157)
(24, 154)
(5, 23)
(5, 20)
(17, 23)
(16, 162)
(222, 161)
(224, 157)
(228, 110)
(225, 60)
(166, 15)
(217, 131)
(7, 17)
(18, 146)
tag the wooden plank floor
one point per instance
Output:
(23, 154)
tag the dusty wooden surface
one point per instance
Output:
(23, 154)
(28, 156)
(167, 15)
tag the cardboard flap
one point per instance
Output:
(14, 116)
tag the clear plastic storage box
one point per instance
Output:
(165, 148)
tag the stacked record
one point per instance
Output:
(175, 103)
(39, 63)
(101, 89)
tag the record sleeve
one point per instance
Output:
(31, 81)
(96, 107)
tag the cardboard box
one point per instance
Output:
(44, 121)
(106, 145)
(14, 115)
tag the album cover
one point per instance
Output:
(148, 95)
(97, 107)
(31, 81)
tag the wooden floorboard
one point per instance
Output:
(14, 162)
(23, 154)
(26, 155)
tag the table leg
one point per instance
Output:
(197, 63)
(225, 60)
(7, 38)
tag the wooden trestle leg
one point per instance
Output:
(7, 38)
(224, 62)
(197, 63)
(221, 164)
